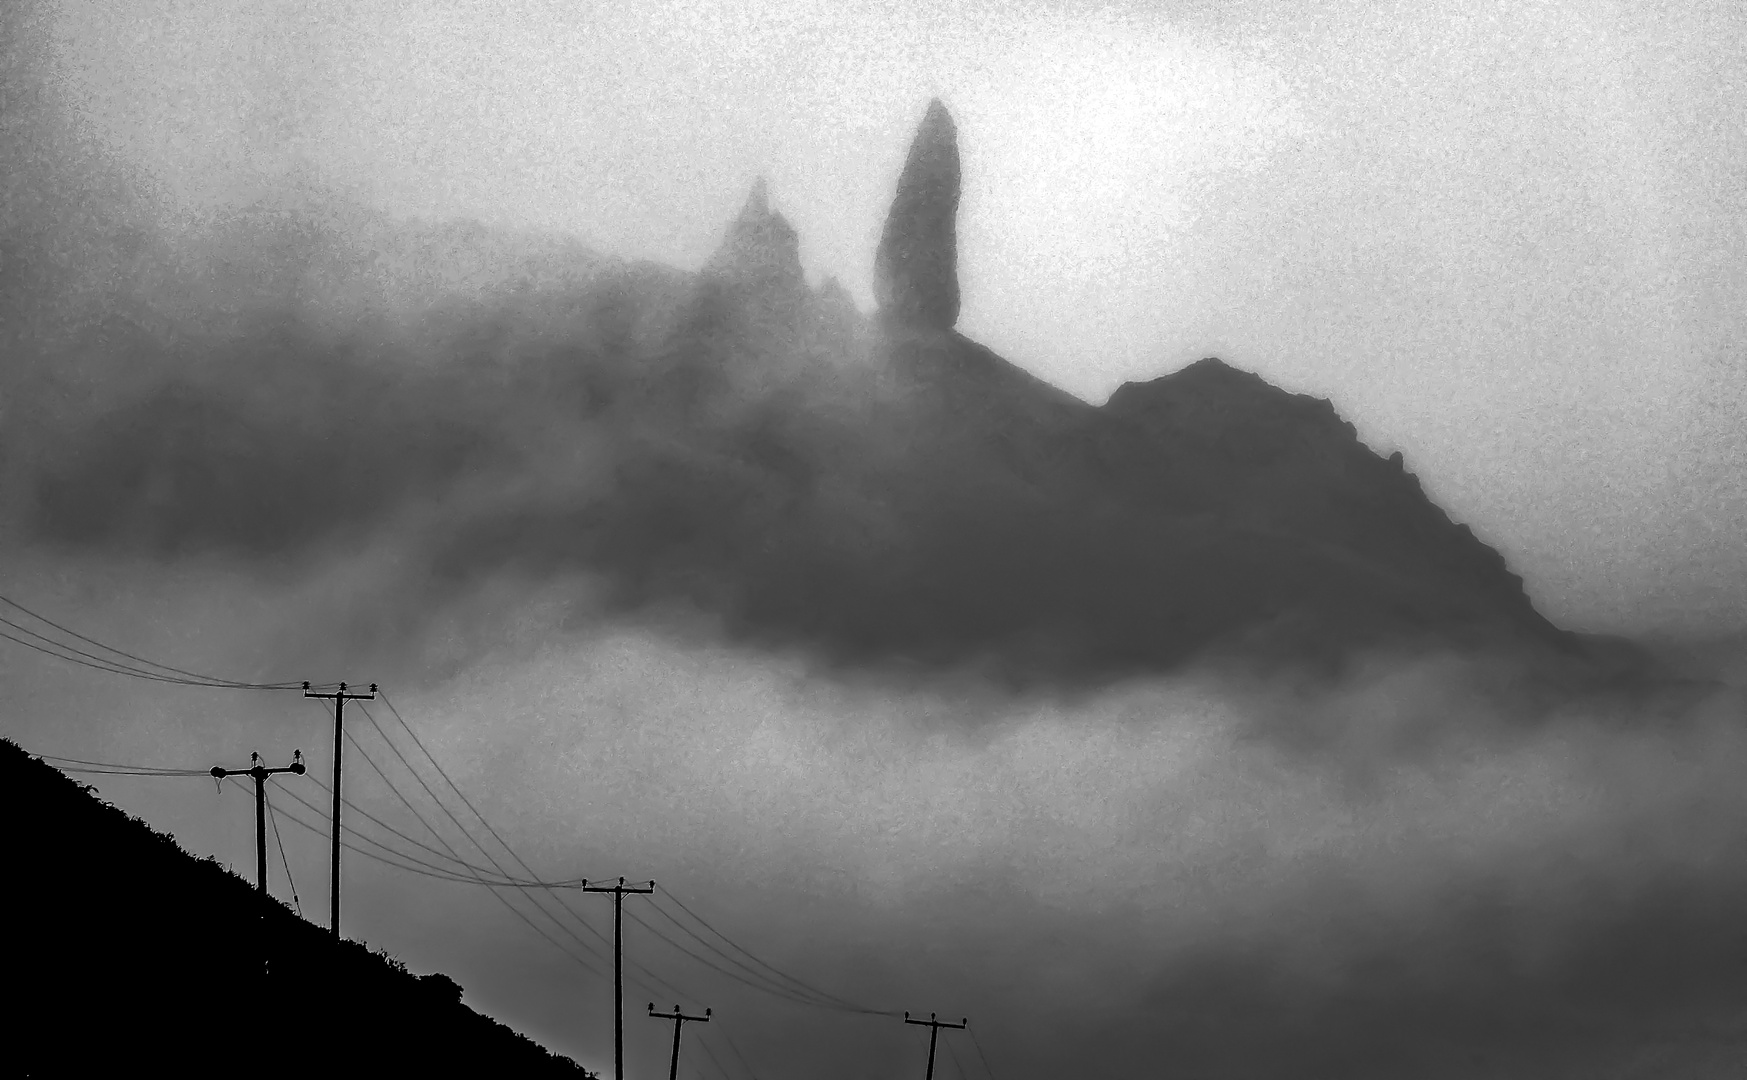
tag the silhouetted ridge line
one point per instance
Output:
(124, 969)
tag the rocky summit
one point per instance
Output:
(761, 248)
(759, 263)
(878, 491)
(916, 266)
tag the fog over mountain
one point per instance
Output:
(1185, 727)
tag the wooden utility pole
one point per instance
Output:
(934, 1027)
(261, 773)
(618, 892)
(339, 698)
(679, 1020)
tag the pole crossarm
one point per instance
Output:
(260, 773)
(934, 1025)
(339, 698)
(679, 1020)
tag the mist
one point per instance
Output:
(337, 349)
(1410, 873)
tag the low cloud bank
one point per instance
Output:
(1416, 872)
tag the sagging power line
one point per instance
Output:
(727, 958)
(113, 660)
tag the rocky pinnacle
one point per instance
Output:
(916, 268)
(761, 248)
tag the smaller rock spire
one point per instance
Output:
(761, 248)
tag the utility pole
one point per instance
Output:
(261, 773)
(679, 1020)
(339, 698)
(619, 892)
(934, 1027)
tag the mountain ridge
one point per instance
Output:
(877, 487)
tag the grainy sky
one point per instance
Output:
(1506, 238)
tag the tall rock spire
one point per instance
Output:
(916, 267)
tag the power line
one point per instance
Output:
(767, 986)
(141, 769)
(400, 858)
(127, 772)
(957, 1066)
(650, 980)
(113, 670)
(750, 1071)
(984, 1058)
(505, 880)
(165, 672)
(704, 1045)
(447, 851)
(699, 938)
(779, 986)
(523, 863)
(323, 833)
(273, 816)
(827, 999)
(407, 862)
(497, 866)
(777, 983)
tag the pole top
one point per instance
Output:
(217, 773)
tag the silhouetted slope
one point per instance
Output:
(127, 956)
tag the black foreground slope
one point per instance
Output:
(127, 956)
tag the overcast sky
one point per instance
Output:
(1505, 238)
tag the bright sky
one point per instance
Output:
(1507, 238)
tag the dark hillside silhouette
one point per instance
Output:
(127, 956)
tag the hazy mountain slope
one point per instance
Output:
(879, 489)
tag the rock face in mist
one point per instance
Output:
(916, 266)
(1214, 439)
(735, 441)
(761, 250)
